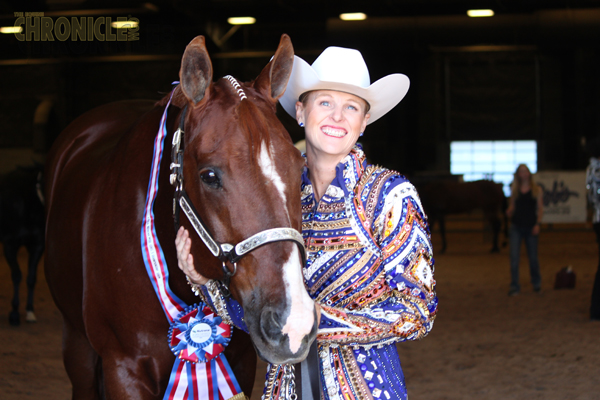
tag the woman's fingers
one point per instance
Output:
(185, 260)
(183, 245)
(182, 234)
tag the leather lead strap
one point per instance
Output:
(307, 376)
(177, 159)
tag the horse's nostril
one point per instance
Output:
(271, 324)
(278, 340)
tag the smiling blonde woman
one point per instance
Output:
(370, 260)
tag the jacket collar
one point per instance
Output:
(348, 173)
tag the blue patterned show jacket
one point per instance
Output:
(370, 266)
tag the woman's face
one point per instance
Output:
(523, 173)
(333, 122)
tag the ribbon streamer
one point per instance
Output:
(191, 377)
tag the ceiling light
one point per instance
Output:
(11, 29)
(480, 13)
(241, 20)
(353, 16)
(124, 24)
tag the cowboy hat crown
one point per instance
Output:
(344, 70)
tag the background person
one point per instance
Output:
(370, 260)
(525, 209)
(593, 186)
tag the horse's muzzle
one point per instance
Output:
(279, 339)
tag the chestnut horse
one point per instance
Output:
(443, 197)
(242, 174)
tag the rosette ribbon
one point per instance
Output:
(196, 335)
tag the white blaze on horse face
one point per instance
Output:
(301, 313)
(301, 318)
(268, 169)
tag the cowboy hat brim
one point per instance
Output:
(382, 95)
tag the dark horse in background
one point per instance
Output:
(22, 223)
(444, 197)
(242, 173)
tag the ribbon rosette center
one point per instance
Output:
(198, 335)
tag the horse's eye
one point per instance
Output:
(210, 177)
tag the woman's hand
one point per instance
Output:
(185, 260)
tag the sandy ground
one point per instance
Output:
(484, 345)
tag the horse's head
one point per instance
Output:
(242, 173)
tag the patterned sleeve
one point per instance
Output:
(224, 306)
(404, 288)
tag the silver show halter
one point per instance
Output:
(223, 251)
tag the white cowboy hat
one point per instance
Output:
(342, 69)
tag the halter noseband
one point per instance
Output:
(223, 251)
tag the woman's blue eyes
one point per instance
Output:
(327, 104)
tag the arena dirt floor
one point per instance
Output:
(484, 344)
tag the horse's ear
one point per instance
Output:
(274, 77)
(196, 70)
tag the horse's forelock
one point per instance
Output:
(255, 124)
(253, 120)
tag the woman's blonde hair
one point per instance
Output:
(515, 186)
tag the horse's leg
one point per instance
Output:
(134, 377)
(504, 206)
(131, 373)
(505, 219)
(35, 254)
(82, 364)
(11, 250)
(496, 225)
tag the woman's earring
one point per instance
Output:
(301, 124)
(361, 134)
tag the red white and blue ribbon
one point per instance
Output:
(190, 380)
(198, 334)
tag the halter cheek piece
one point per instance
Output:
(223, 251)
